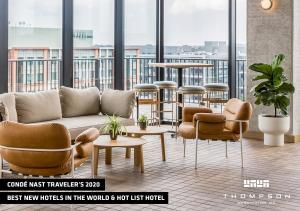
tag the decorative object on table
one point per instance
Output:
(273, 90)
(114, 127)
(143, 122)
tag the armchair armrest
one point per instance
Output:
(209, 118)
(87, 136)
(209, 123)
(84, 141)
(188, 112)
(237, 120)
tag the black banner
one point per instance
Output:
(84, 198)
(52, 184)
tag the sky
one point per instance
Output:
(187, 22)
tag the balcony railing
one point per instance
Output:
(38, 74)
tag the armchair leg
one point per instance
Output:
(72, 170)
(226, 149)
(197, 138)
(184, 147)
(241, 140)
(196, 156)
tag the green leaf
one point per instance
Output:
(286, 88)
(277, 61)
(265, 69)
(277, 76)
(282, 102)
(261, 77)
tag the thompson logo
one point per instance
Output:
(256, 183)
(264, 196)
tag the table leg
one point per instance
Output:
(137, 154)
(180, 83)
(95, 158)
(108, 156)
(141, 159)
(128, 152)
(163, 148)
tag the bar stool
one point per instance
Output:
(170, 87)
(185, 91)
(217, 93)
(148, 94)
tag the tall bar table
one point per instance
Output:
(180, 67)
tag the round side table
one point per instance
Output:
(104, 142)
(135, 131)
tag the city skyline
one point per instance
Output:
(139, 24)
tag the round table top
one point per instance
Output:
(180, 65)
(150, 130)
(122, 141)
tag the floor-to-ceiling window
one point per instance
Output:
(35, 45)
(93, 38)
(197, 31)
(194, 31)
(140, 41)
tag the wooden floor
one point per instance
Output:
(204, 188)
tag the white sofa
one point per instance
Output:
(76, 109)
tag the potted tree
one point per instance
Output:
(114, 127)
(274, 90)
(143, 122)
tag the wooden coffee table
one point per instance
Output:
(104, 142)
(135, 131)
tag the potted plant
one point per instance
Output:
(114, 127)
(274, 90)
(143, 122)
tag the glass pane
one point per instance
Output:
(197, 31)
(93, 43)
(241, 51)
(140, 41)
(35, 43)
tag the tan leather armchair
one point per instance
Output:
(227, 126)
(43, 149)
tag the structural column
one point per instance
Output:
(67, 52)
(4, 46)
(119, 46)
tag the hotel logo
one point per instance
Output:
(256, 183)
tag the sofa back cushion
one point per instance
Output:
(79, 102)
(116, 102)
(38, 107)
(3, 112)
(236, 109)
(9, 102)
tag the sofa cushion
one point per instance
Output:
(37, 107)
(77, 125)
(9, 101)
(116, 102)
(79, 102)
(3, 112)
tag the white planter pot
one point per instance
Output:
(274, 129)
